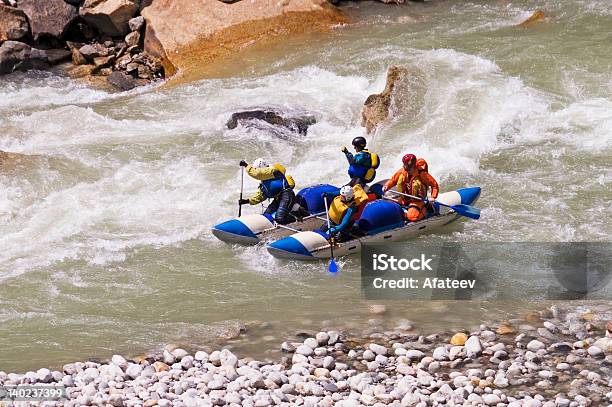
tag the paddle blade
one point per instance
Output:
(467, 211)
(333, 267)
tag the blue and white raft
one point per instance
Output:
(381, 221)
(254, 228)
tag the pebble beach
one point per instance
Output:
(560, 356)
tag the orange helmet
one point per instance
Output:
(421, 164)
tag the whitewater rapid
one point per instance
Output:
(117, 201)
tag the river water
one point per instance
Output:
(105, 242)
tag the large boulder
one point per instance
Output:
(192, 33)
(13, 24)
(10, 161)
(535, 17)
(17, 56)
(110, 17)
(403, 94)
(250, 118)
(48, 18)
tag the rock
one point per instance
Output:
(287, 347)
(321, 372)
(329, 362)
(535, 345)
(81, 71)
(491, 399)
(56, 56)
(595, 352)
(377, 309)
(133, 370)
(78, 58)
(402, 92)
(187, 362)
(17, 56)
(132, 39)
(44, 375)
(311, 343)
(505, 329)
(378, 349)
(414, 354)
(440, 353)
(103, 62)
(48, 18)
(459, 339)
(116, 400)
(535, 17)
(120, 361)
(201, 356)
(488, 336)
(90, 52)
(136, 23)
(322, 338)
(188, 33)
(13, 24)
(297, 124)
(121, 80)
(132, 67)
(473, 347)
(160, 366)
(368, 355)
(110, 17)
(604, 344)
(304, 350)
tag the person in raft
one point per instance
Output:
(276, 185)
(362, 165)
(413, 180)
(431, 185)
(345, 210)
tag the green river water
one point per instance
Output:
(105, 242)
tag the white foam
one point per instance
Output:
(162, 168)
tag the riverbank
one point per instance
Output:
(105, 222)
(561, 356)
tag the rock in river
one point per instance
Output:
(296, 124)
(13, 24)
(110, 17)
(191, 33)
(402, 94)
(17, 56)
(48, 18)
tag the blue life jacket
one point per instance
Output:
(274, 186)
(366, 169)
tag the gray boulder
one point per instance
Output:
(48, 18)
(17, 56)
(121, 80)
(13, 24)
(250, 118)
(136, 23)
(110, 17)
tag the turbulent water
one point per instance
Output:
(105, 242)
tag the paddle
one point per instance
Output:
(241, 190)
(333, 267)
(461, 209)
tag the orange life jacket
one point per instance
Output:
(426, 178)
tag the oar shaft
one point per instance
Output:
(407, 195)
(241, 190)
(287, 227)
(331, 244)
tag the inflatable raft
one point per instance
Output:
(254, 228)
(381, 221)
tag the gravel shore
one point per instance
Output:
(561, 357)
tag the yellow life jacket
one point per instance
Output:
(338, 207)
(371, 172)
